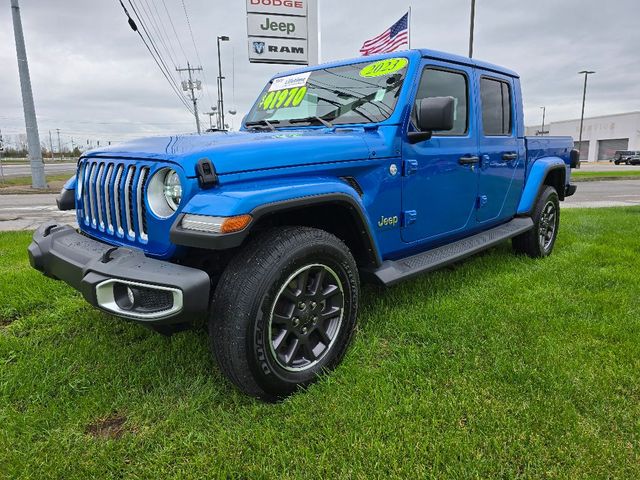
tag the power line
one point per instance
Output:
(173, 27)
(164, 29)
(195, 47)
(158, 62)
(167, 76)
(160, 58)
(151, 18)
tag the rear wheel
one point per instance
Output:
(539, 241)
(284, 311)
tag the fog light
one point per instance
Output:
(138, 300)
(124, 296)
(131, 296)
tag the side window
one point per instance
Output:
(445, 83)
(495, 96)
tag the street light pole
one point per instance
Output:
(38, 179)
(586, 74)
(544, 112)
(472, 27)
(222, 38)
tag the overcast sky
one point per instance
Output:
(93, 78)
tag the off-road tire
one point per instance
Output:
(240, 327)
(530, 243)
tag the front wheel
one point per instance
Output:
(284, 311)
(539, 241)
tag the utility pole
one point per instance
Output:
(472, 27)
(190, 85)
(221, 126)
(586, 74)
(50, 146)
(1, 151)
(59, 144)
(38, 179)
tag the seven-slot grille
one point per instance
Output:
(111, 196)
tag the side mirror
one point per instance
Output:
(433, 114)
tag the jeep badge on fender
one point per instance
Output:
(360, 169)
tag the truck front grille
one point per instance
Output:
(111, 198)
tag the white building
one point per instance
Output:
(601, 136)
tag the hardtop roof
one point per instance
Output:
(426, 53)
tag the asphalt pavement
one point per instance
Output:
(610, 193)
(24, 170)
(27, 212)
(607, 167)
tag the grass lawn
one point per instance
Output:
(586, 176)
(499, 367)
(12, 185)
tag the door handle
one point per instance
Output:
(468, 160)
(507, 157)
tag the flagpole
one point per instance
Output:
(409, 24)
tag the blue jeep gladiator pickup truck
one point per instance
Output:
(375, 169)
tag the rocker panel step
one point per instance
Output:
(394, 271)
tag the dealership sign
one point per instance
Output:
(283, 31)
(279, 26)
(281, 7)
(277, 50)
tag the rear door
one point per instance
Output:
(502, 152)
(438, 188)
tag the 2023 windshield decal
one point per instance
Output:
(384, 67)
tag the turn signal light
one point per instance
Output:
(204, 223)
(235, 224)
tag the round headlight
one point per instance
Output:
(164, 192)
(172, 189)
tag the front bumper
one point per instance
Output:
(162, 293)
(570, 190)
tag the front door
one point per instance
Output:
(502, 153)
(440, 177)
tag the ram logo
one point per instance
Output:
(258, 47)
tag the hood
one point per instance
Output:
(233, 152)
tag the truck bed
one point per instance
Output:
(538, 147)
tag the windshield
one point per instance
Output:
(357, 93)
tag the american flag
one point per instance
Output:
(390, 40)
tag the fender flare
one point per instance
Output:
(535, 182)
(66, 200)
(211, 241)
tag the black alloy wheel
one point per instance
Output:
(539, 241)
(284, 311)
(547, 225)
(306, 317)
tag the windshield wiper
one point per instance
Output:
(311, 119)
(266, 123)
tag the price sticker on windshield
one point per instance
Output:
(384, 67)
(292, 81)
(285, 92)
(289, 97)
